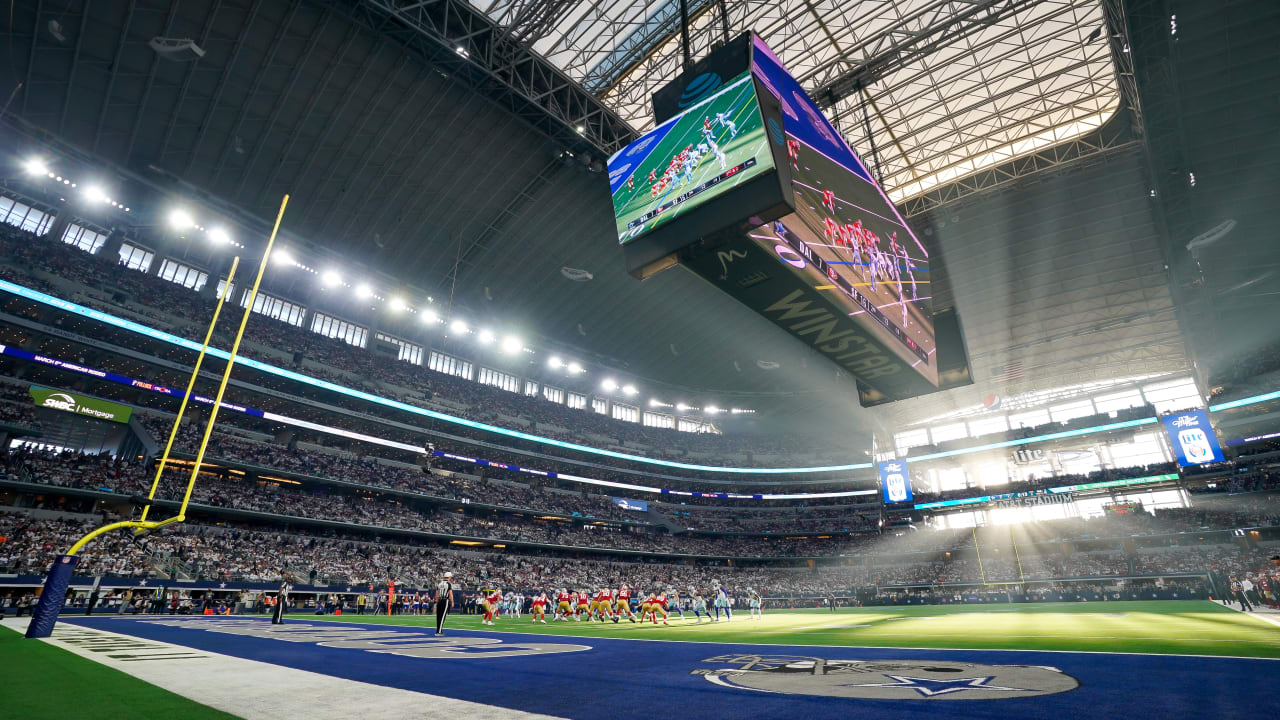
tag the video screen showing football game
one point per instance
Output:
(705, 151)
(845, 229)
(870, 258)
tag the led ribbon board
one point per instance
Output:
(1102, 484)
(60, 364)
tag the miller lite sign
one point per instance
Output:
(894, 481)
(1192, 438)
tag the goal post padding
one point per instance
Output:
(52, 597)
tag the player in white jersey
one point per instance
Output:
(720, 599)
(699, 604)
(753, 600)
(723, 119)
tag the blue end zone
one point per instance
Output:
(640, 679)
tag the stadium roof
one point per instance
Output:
(948, 87)
(405, 149)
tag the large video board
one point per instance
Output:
(708, 150)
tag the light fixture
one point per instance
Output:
(397, 304)
(485, 337)
(555, 363)
(220, 236)
(363, 291)
(95, 194)
(653, 402)
(609, 385)
(575, 368)
(580, 129)
(712, 409)
(458, 327)
(681, 407)
(329, 278)
(36, 166)
(629, 389)
(511, 344)
(281, 256)
(180, 219)
(430, 317)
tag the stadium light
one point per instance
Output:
(430, 317)
(363, 291)
(485, 337)
(220, 236)
(629, 389)
(511, 344)
(281, 257)
(555, 363)
(180, 219)
(575, 368)
(609, 384)
(329, 278)
(458, 327)
(681, 407)
(397, 304)
(712, 409)
(36, 166)
(95, 194)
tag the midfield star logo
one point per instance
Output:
(885, 679)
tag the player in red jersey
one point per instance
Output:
(624, 604)
(793, 152)
(563, 608)
(659, 605)
(584, 606)
(829, 200)
(831, 230)
(604, 604)
(539, 612)
(491, 599)
(631, 182)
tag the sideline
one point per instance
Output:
(258, 690)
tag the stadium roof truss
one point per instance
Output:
(948, 88)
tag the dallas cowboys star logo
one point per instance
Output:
(222, 585)
(143, 583)
(930, 687)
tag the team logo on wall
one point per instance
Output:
(885, 679)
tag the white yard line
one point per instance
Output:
(252, 689)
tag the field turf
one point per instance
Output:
(1192, 627)
(41, 681)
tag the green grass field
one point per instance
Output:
(41, 680)
(740, 101)
(1167, 627)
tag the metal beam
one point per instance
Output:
(285, 95)
(146, 89)
(71, 72)
(456, 37)
(937, 25)
(114, 70)
(170, 126)
(1111, 139)
(223, 80)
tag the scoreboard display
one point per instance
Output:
(713, 146)
(746, 183)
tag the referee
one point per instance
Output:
(282, 600)
(444, 601)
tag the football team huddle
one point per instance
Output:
(615, 604)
